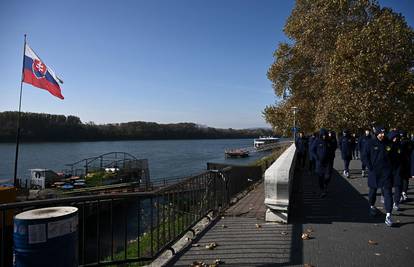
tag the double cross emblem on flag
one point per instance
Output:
(39, 69)
(36, 73)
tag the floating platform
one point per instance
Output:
(236, 153)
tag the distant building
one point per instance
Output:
(39, 178)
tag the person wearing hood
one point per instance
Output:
(378, 159)
(301, 149)
(362, 142)
(321, 152)
(355, 149)
(397, 166)
(312, 160)
(332, 149)
(406, 165)
(345, 144)
(411, 167)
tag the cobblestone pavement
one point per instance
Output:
(342, 233)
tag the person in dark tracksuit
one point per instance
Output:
(362, 142)
(397, 166)
(312, 160)
(346, 144)
(332, 148)
(411, 166)
(378, 160)
(301, 148)
(407, 148)
(320, 151)
(354, 146)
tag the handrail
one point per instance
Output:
(100, 156)
(160, 216)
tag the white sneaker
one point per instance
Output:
(404, 196)
(344, 173)
(396, 207)
(388, 221)
(363, 173)
(347, 174)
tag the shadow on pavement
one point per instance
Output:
(343, 203)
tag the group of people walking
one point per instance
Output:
(386, 158)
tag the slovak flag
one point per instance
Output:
(36, 73)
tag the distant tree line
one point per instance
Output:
(48, 127)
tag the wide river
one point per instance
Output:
(167, 158)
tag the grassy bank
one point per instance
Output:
(142, 245)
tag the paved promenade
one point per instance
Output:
(342, 233)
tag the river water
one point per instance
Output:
(167, 158)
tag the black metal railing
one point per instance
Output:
(135, 227)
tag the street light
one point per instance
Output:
(295, 109)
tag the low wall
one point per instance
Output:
(278, 186)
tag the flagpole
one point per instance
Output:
(18, 119)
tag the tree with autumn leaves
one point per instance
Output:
(349, 63)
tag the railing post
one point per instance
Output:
(98, 236)
(126, 228)
(139, 228)
(152, 226)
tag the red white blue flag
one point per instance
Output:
(36, 73)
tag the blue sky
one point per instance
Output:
(163, 61)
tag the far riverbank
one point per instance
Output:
(167, 158)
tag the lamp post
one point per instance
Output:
(295, 109)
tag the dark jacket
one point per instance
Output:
(396, 160)
(345, 145)
(321, 150)
(363, 140)
(412, 163)
(310, 144)
(378, 160)
(355, 143)
(407, 148)
(301, 145)
(333, 146)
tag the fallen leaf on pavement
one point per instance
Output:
(212, 245)
(258, 225)
(284, 233)
(372, 242)
(305, 236)
(195, 245)
(377, 254)
(198, 264)
(218, 261)
(224, 226)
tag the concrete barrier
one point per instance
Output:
(278, 185)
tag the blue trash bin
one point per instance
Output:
(46, 237)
